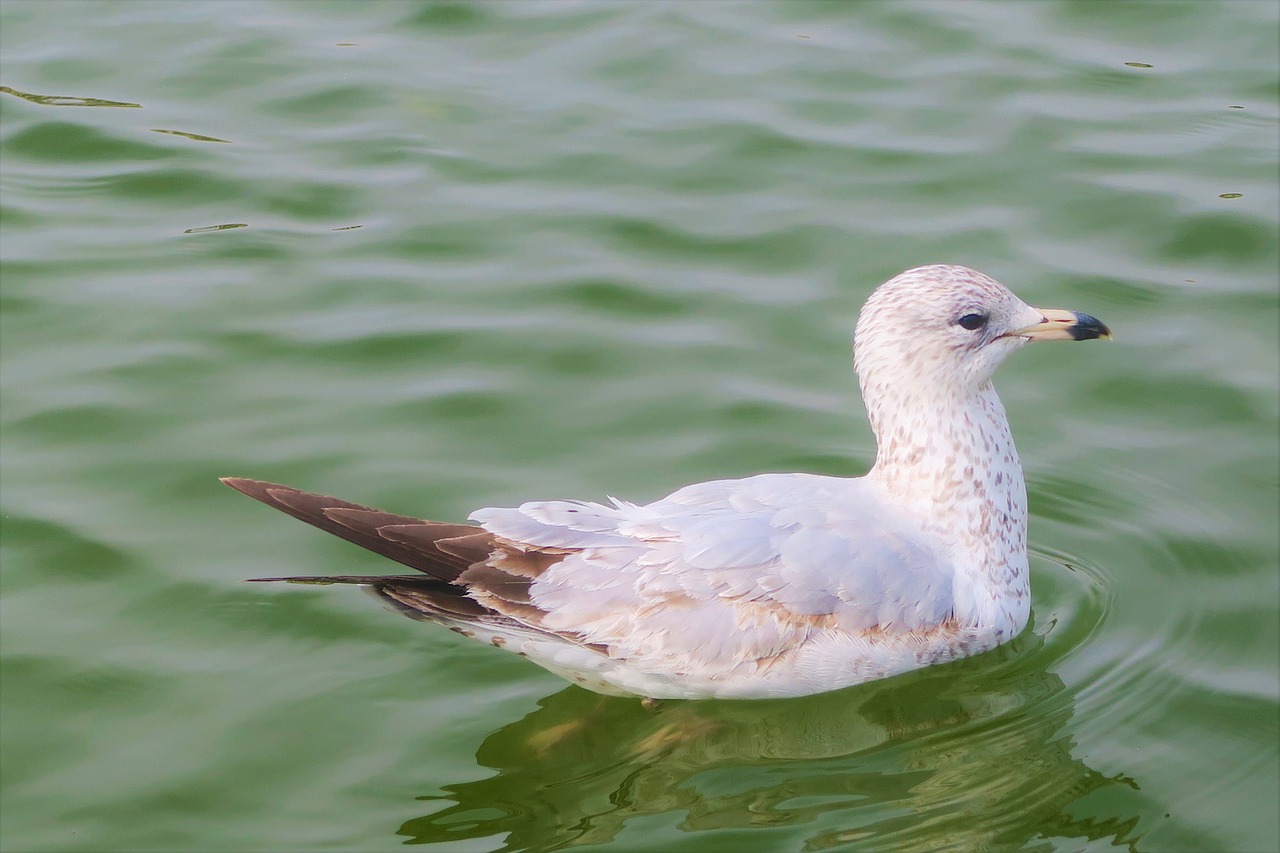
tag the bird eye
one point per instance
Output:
(972, 322)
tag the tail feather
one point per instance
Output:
(470, 580)
(417, 597)
(412, 542)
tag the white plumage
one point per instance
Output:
(780, 584)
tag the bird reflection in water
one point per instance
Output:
(965, 756)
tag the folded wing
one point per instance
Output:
(728, 575)
(720, 578)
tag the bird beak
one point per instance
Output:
(1060, 325)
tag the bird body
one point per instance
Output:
(771, 585)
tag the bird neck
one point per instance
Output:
(950, 462)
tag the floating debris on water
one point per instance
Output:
(196, 136)
(207, 228)
(66, 100)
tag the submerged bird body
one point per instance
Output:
(772, 585)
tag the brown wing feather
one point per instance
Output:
(469, 574)
(432, 599)
(362, 526)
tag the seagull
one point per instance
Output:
(776, 584)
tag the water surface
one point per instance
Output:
(434, 257)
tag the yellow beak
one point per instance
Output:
(1062, 325)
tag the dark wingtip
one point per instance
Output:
(252, 488)
(363, 526)
(314, 581)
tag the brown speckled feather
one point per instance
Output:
(463, 565)
(412, 544)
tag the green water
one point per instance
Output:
(435, 257)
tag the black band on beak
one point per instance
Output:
(1088, 328)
